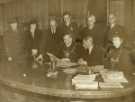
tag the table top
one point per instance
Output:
(35, 81)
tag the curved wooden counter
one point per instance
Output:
(37, 82)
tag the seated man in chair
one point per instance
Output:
(89, 53)
(67, 49)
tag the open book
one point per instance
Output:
(114, 76)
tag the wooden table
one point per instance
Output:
(36, 82)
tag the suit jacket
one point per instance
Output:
(98, 33)
(14, 44)
(50, 41)
(72, 28)
(124, 61)
(116, 30)
(67, 52)
(95, 58)
(33, 43)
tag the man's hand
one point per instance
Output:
(82, 62)
(52, 57)
(10, 58)
(34, 52)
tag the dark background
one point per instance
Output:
(26, 10)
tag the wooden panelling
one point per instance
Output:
(77, 8)
(43, 9)
(99, 9)
(5, 1)
(1, 20)
(117, 7)
(26, 10)
(125, 13)
(54, 7)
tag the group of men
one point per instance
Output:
(85, 46)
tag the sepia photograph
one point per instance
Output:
(67, 51)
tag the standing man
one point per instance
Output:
(113, 29)
(52, 37)
(68, 26)
(50, 40)
(13, 40)
(33, 40)
(14, 46)
(92, 30)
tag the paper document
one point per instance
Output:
(86, 86)
(114, 76)
(106, 85)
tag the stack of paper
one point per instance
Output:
(83, 78)
(85, 86)
(108, 85)
(114, 76)
(85, 82)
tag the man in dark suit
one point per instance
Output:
(90, 53)
(50, 40)
(14, 47)
(33, 40)
(68, 26)
(113, 29)
(94, 30)
(13, 41)
(53, 36)
(119, 55)
(67, 48)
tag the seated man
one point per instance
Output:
(89, 53)
(67, 48)
(119, 56)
